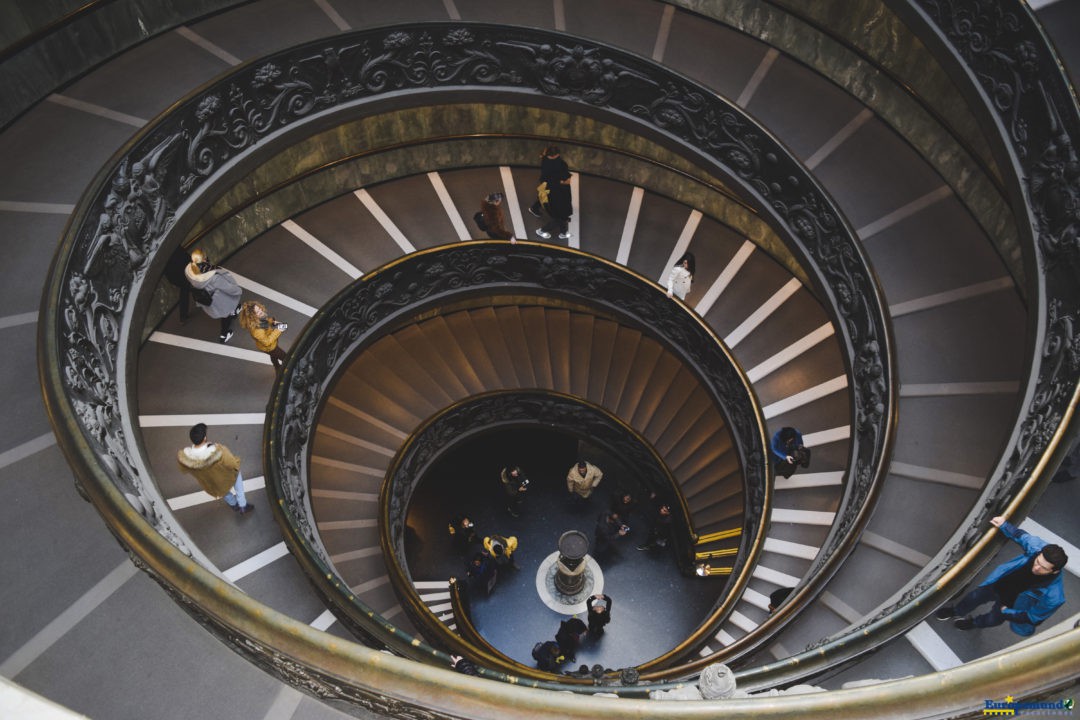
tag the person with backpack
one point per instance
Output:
(548, 656)
(215, 290)
(491, 220)
(788, 451)
(502, 550)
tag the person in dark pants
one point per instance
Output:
(482, 573)
(514, 484)
(215, 290)
(463, 532)
(1024, 591)
(609, 527)
(777, 598)
(788, 451)
(660, 530)
(174, 273)
(547, 655)
(554, 195)
(501, 549)
(569, 637)
(599, 607)
(464, 665)
(624, 504)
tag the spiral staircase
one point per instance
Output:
(954, 284)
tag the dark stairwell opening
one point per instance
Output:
(655, 606)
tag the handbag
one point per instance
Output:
(202, 296)
(543, 193)
(478, 218)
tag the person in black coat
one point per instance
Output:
(609, 527)
(599, 607)
(569, 637)
(660, 530)
(547, 655)
(554, 195)
(481, 572)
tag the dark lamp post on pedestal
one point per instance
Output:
(570, 567)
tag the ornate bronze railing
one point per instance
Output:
(518, 408)
(999, 52)
(425, 281)
(461, 423)
(141, 206)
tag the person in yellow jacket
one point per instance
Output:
(264, 330)
(215, 468)
(502, 549)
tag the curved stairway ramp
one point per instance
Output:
(802, 518)
(409, 376)
(47, 177)
(802, 381)
(804, 515)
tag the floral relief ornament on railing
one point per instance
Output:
(125, 226)
(1004, 49)
(360, 313)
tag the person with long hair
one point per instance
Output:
(494, 220)
(265, 331)
(681, 277)
(215, 290)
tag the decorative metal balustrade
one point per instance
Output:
(146, 201)
(467, 420)
(999, 52)
(422, 282)
(139, 208)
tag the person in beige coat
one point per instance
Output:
(215, 468)
(583, 479)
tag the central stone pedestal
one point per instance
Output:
(566, 578)
(570, 567)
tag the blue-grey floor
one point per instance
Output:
(653, 604)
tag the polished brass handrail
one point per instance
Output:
(84, 309)
(416, 284)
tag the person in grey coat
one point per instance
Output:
(215, 290)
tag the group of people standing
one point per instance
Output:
(216, 291)
(554, 202)
(487, 556)
(572, 633)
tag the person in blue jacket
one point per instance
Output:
(788, 451)
(1024, 591)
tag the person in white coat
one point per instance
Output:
(681, 277)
